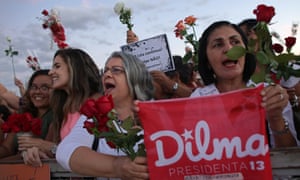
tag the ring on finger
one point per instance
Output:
(295, 101)
(281, 89)
(281, 96)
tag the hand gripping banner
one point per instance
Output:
(213, 137)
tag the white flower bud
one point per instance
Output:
(127, 9)
(118, 7)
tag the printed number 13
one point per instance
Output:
(257, 165)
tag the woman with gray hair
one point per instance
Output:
(126, 79)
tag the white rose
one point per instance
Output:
(128, 10)
(118, 7)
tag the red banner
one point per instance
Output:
(213, 137)
(24, 172)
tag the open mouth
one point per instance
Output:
(54, 78)
(108, 87)
(38, 98)
(229, 63)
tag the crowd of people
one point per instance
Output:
(55, 95)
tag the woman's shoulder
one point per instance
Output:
(48, 117)
(205, 91)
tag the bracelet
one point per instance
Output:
(53, 149)
(295, 101)
(284, 131)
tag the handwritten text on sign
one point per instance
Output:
(154, 52)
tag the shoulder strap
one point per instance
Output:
(95, 143)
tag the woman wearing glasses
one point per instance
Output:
(37, 98)
(126, 79)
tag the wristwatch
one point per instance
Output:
(295, 101)
(175, 87)
(284, 131)
(53, 149)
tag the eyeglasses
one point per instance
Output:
(43, 88)
(114, 70)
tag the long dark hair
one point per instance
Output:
(84, 81)
(205, 71)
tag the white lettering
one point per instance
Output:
(255, 145)
(162, 160)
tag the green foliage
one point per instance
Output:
(262, 58)
(187, 57)
(125, 18)
(125, 136)
(236, 52)
(267, 60)
(10, 52)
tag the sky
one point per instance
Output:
(93, 26)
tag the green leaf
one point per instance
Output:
(127, 123)
(133, 131)
(6, 52)
(284, 58)
(297, 58)
(189, 37)
(252, 45)
(141, 150)
(112, 114)
(15, 53)
(262, 57)
(294, 72)
(187, 57)
(236, 52)
(111, 126)
(262, 31)
(285, 75)
(107, 134)
(273, 64)
(259, 75)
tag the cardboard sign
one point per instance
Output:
(154, 52)
(214, 137)
(24, 172)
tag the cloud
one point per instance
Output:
(93, 26)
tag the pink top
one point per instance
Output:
(69, 124)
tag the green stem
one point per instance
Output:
(13, 67)
(194, 31)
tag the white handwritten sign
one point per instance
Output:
(154, 52)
